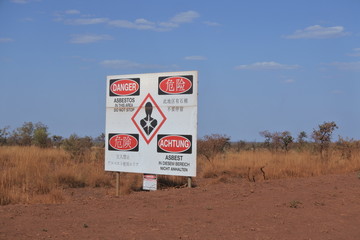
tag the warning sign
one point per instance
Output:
(151, 123)
(148, 118)
(175, 85)
(149, 182)
(123, 142)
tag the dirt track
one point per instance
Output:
(326, 207)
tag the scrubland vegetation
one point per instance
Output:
(33, 174)
(262, 164)
(37, 168)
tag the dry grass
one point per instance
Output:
(32, 174)
(130, 182)
(254, 165)
(29, 172)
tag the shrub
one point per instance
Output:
(77, 146)
(213, 144)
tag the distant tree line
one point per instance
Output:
(37, 134)
(319, 141)
(321, 137)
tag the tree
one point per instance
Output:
(301, 137)
(40, 136)
(277, 140)
(23, 135)
(322, 136)
(99, 141)
(30, 134)
(301, 140)
(268, 136)
(4, 133)
(286, 139)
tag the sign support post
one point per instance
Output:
(189, 182)
(117, 183)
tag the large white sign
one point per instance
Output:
(151, 123)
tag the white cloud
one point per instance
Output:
(85, 21)
(196, 58)
(266, 66)
(140, 24)
(72, 12)
(20, 1)
(347, 66)
(185, 17)
(212, 24)
(125, 64)
(61, 14)
(3, 40)
(88, 38)
(122, 24)
(24, 1)
(143, 21)
(143, 24)
(355, 52)
(168, 25)
(318, 32)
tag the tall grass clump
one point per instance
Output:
(29, 172)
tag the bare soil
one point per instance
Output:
(325, 207)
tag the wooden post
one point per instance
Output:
(117, 184)
(189, 182)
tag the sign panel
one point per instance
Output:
(151, 123)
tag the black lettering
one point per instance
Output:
(174, 157)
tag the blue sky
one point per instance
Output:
(263, 65)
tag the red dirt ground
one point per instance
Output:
(325, 207)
